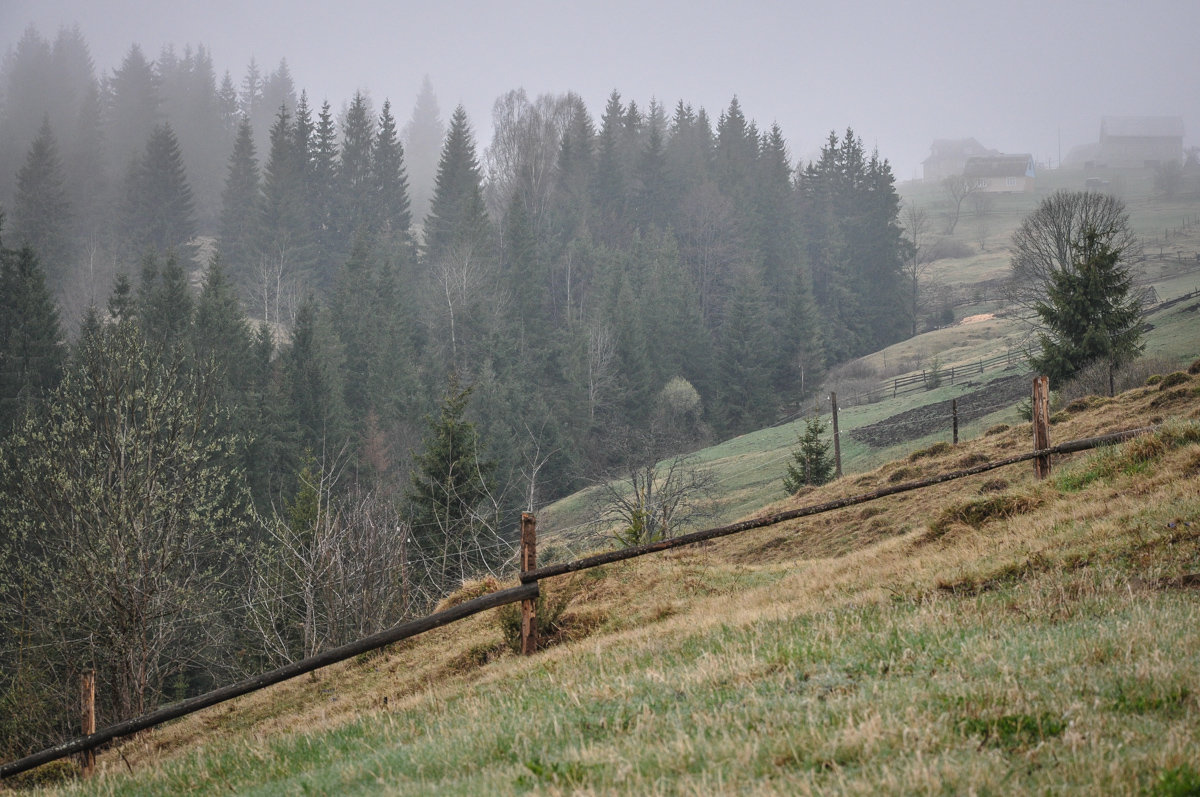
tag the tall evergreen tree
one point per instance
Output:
(356, 202)
(389, 182)
(25, 102)
(609, 181)
(1089, 314)
(314, 391)
(158, 209)
(457, 218)
(134, 109)
(743, 362)
(164, 301)
(42, 213)
(452, 482)
(424, 134)
(286, 252)
(240, 203)
(32, 354)
(323, 188)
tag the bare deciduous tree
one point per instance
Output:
(650, 497)
(1046, 240)
(916, 267)
(601, 358)
(332, 568)
(958, 188)
(523, 157)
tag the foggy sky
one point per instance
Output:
(1018, 75)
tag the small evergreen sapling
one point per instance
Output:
(811, 463)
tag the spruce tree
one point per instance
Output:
(240, 204)
(448, 496)
(1089, 315)
(323, 188)
(158, 208)
(810, 463)
(164, 301)
(389, 183)
(457, 220)
(424, 135)
(743, 361)
(134, 107)
(356, 202)
(42, 213)
(31, 340)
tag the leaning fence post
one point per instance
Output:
(954, 416)
(1041, 425)
(528, 562)
(87, 708)
(837, 439)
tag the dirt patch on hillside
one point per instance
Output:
(931, 418)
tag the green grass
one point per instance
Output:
(1054, 649)
(949, 694)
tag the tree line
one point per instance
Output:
(370, 345)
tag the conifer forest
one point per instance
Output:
(278, 371)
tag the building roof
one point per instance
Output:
(1141, 127)
(956, 148)
(999, 166)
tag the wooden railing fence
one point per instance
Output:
(529, 589)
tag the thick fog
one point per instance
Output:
(1018, 75)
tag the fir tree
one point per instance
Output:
(164, 301)
(389, 182)
(240, 204)
(42, 214)
(424, 134)
(158, 209)
(134, 106)
(1089, 314)
(448, 496)
(743, 361)
(31, 341)
(457, 219)
(357, 201)
(810, 463)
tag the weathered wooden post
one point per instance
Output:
(954, 416)
(87, 707)
(528, 562)
(1041, 425)
(837, 439)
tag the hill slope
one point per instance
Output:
(989, 634)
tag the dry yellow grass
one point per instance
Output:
(1056, 549)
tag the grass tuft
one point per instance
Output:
(978, 511)
(937, 449)
(1014, 732)
(1173, 379)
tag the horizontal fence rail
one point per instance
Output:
(333, 656)
(549, 571)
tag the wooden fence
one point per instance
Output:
(529, 589)
(929, 378)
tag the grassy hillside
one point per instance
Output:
(749, 469)
(988, 635)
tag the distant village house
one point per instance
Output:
(1139, 142)
(1006, 174)
(1132, 143)
(948, 157)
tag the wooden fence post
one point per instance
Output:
(837, 440)
(1041, 425)
(954, 415)
(87, 708)
(528, 562)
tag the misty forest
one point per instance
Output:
(277, 372)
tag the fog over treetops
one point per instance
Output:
(1018, 76)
